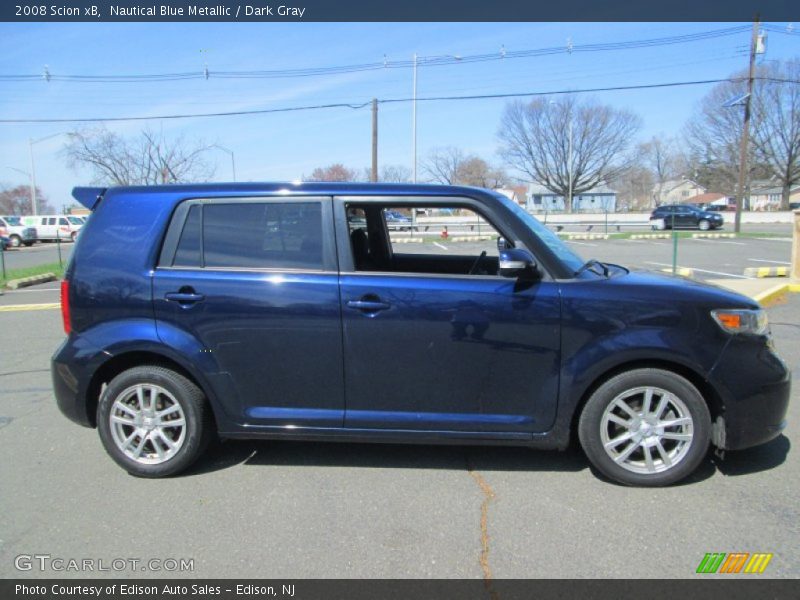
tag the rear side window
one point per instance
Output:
(252, 235)
(188, 252)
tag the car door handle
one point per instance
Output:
(368, 305)
(184, 297)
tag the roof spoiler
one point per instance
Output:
(89, 197)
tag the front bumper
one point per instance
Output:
(755, 385)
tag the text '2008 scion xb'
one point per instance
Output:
(299, 311)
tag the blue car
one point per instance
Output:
(260, 311)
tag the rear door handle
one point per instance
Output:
(368, 305)
(184, 297)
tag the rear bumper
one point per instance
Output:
(755, 385)
(71, 368)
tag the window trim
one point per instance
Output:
(180, 215)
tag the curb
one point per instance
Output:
(767, 272)
(407, 240)
(28, 281)
(651, 236)
(587, 236)
(713, 235)
(774, 292)
(682, 271)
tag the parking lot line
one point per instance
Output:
(649, 262)
(55, 289)
(22, 307)
(777, 262)
(714, 241)
(579, 243)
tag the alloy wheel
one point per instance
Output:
(646, 430)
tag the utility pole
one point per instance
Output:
(414, 121)
(374, 176)
(740, 190)
(33, 180)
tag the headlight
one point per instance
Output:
(753, 322)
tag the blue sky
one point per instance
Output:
(287, 146)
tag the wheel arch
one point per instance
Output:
(135, 358)
(710, 395)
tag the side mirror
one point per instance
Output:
(516, 262)
(502, 244)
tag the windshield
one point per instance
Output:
(13, 221)
(551, 240)
(75, 220)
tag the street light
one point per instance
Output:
(31, 142)
(417, 59)
(233, 162)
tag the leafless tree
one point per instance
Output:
(395, 174)
(776, 114)
(567, 144)
(634, 187)
(334, 172)
(442, 164)
(476, 171)
(146, 159)
(714, 134)
(17, 201)
(659, 155)
(452, 166)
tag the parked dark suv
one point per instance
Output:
(685, 216)
(262, 311)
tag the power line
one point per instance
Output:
(431, 61)
(357, 106)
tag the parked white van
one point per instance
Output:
(17, 232)
(53, 227)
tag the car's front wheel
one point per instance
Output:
(153, 421)
(15, 241)
(704, 225)
(646, 427)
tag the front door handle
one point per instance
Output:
(184, 297)
(368, 306)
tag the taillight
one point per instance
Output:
(65, 306)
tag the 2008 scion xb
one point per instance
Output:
(292, 311)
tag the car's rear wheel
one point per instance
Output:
(704, 225)
(153, 421)
(73, 236)
(646, 427)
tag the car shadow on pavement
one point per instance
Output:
(755, 460)
(266, 453)
(385, 456)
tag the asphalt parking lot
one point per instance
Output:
(294, 509)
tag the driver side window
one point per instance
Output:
(446, 240)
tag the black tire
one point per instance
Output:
(29, 244)
(591, 425)
(73, 236)
(15, 241)
(192, 401)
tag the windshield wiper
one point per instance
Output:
(588, 266)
